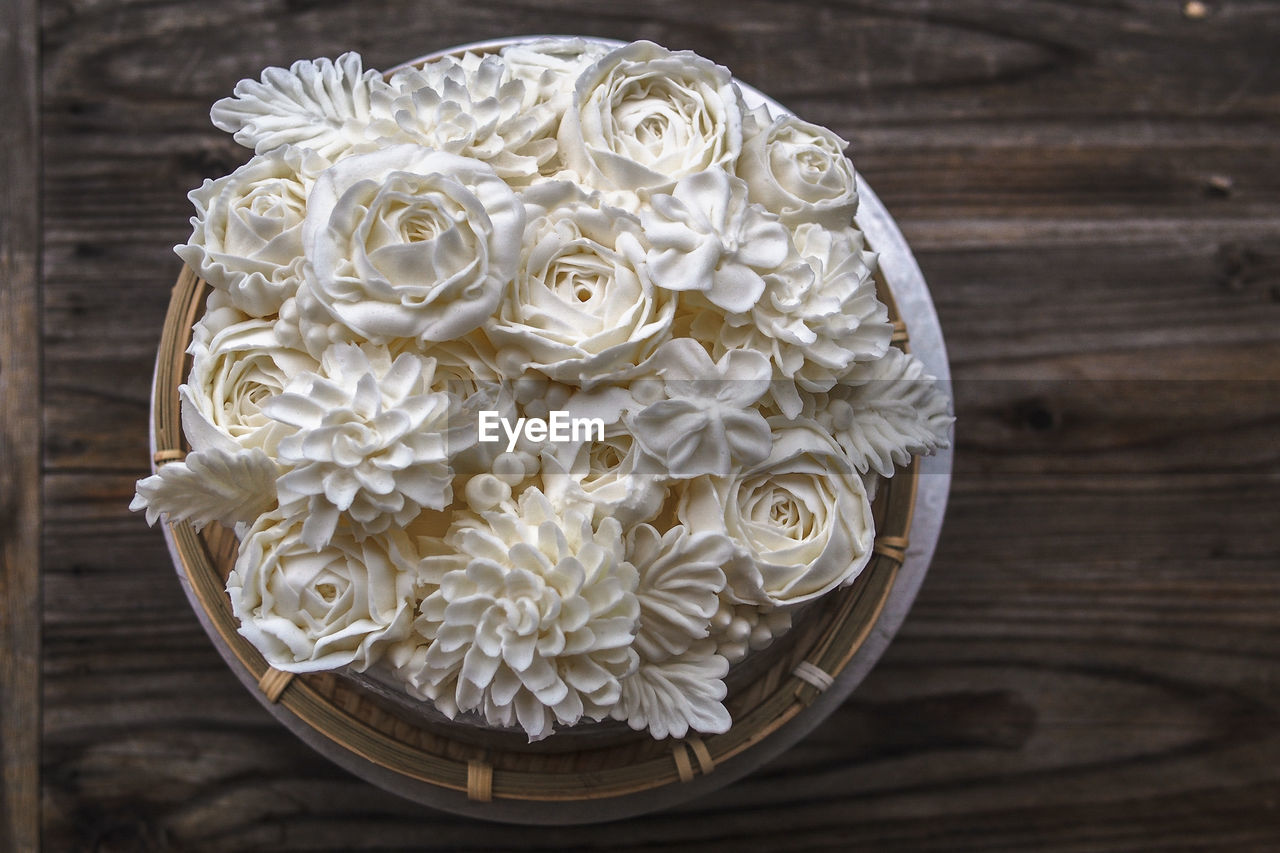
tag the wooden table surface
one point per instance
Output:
(1093, 192)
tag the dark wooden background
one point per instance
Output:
(1093, 192)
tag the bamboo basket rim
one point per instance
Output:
(478, 779)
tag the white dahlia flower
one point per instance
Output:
(534, 617)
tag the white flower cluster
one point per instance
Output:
(559, 226)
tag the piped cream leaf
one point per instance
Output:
(210, 485)
(320, 104)
(885, 411)
(677, 695)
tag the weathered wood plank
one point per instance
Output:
(19, 428)
(1092, 663)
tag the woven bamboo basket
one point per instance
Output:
(574, 775)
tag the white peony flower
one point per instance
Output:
(309, 609)
(706, 422)
(800, 519)
(246, 236)
(236, 367)
(320, 104)
(582, 309)
(798, 171)
(706, 237)
(371, 442)
(471, 107)
(644, 117)
(813, 322)
(407, 242)
(533, 619)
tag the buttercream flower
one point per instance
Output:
(533, 619)
(246, 236)
(815, 320)
(407, 242)
(550, 67)
(680, 584)
(798, 170)
(706, 422)
(708, 238)
(643, 116)
(471, 107)
(613, 474)
(370, 442)
(800, 519)
(675, 695)
(582, 309)
(308, 609)
(235, 368)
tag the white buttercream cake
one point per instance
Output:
(546, 382)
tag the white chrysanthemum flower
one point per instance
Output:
(814, 321)
(533, 619)
(370, 443)
(471, 107)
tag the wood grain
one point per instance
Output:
(1094, 661)
(19, 429)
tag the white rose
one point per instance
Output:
(798, 170)
(643, 116)
(801, 519)
(407, 242)
(235, 368)
(309, 610)
(246, 235)
(581, 309)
